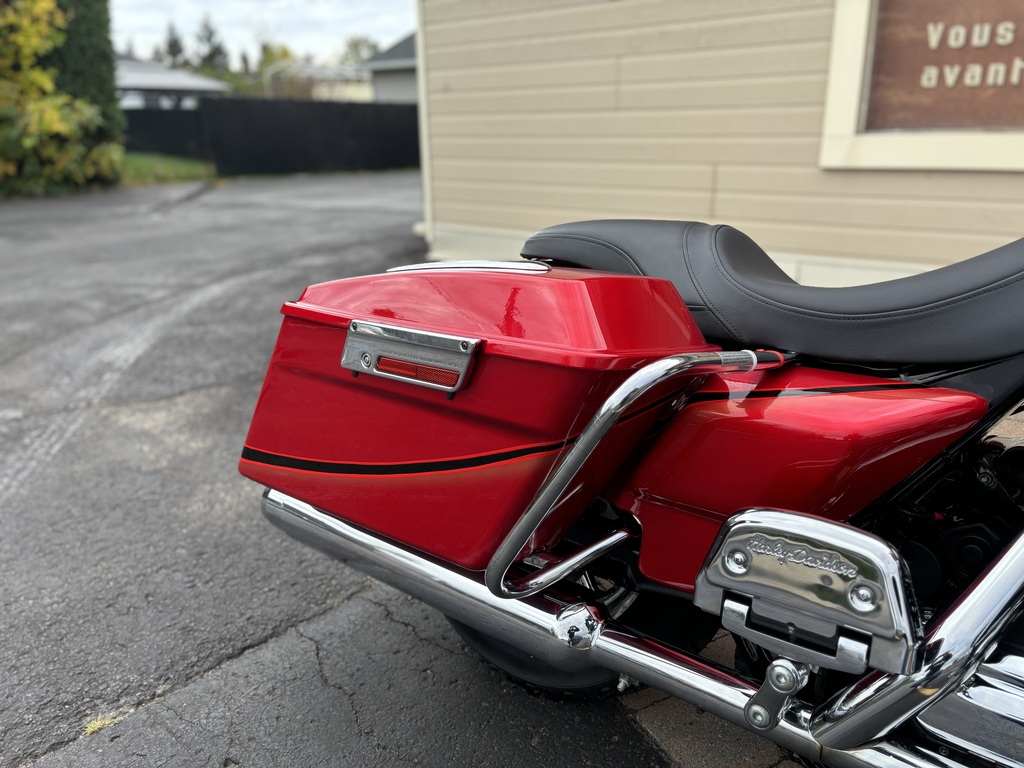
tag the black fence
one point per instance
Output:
(243, 136)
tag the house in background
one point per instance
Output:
(393, 73)
(150, 85)
(745, 112)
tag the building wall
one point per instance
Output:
(395, 87)
(544, 111)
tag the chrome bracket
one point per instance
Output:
(851, 654)
(812, 590)
(424, 358)
(782, 682)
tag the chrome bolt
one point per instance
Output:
(366, 360)
(353, 326)
(862, 598)
(759, 716)
(782, 678)
(465, 346)
(625, 683)
(737, 561)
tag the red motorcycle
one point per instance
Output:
(594, 460)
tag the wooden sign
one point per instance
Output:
(947, 64)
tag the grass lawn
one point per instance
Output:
(148, 168)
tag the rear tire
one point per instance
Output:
(537, 675)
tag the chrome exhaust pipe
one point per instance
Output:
(529, 624)
(570, 637)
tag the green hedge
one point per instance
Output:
(85, 62)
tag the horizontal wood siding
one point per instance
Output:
(543, 111)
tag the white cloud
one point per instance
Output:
(315, 27)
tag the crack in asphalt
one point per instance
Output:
(413, 629)
(124, 710)
(386, 755)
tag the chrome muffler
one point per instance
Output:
(575, 636)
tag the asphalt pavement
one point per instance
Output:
(149, 616)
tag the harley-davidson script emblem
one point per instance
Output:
(785, 552)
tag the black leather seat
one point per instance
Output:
(964, 313)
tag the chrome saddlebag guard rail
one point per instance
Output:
(849, 731)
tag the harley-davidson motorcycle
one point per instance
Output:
(645, 433)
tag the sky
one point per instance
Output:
(315, 27)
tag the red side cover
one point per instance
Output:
(451, 476)
(817, 441)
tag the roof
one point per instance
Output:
(135, 75)
(401, 55)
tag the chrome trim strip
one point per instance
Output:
(525, 267)
(560, 480)
(550, 630)
(953, 649)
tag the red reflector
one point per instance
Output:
(427, 373)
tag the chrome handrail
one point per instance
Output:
(547, 498)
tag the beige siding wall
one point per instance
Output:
(544, 111)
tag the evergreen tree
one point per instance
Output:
(210, 51)
(174, 50)
(85, 63)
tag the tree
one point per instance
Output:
(272, 53)
(48, 139)
(85, 62)
(210, 52)
(174, 50)
(357, 50)
(281, 73)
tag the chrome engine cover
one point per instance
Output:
(813, 591)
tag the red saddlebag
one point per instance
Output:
(429, 404)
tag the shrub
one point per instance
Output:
(48, 139)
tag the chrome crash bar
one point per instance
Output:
(557, 486)
(957, 643)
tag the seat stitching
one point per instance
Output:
(851, 317)
(696, 282)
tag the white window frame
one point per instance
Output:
(845, 145)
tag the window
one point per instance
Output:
(935, 85)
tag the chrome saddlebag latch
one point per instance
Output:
(813, 591)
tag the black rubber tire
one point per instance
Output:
(537, 675)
